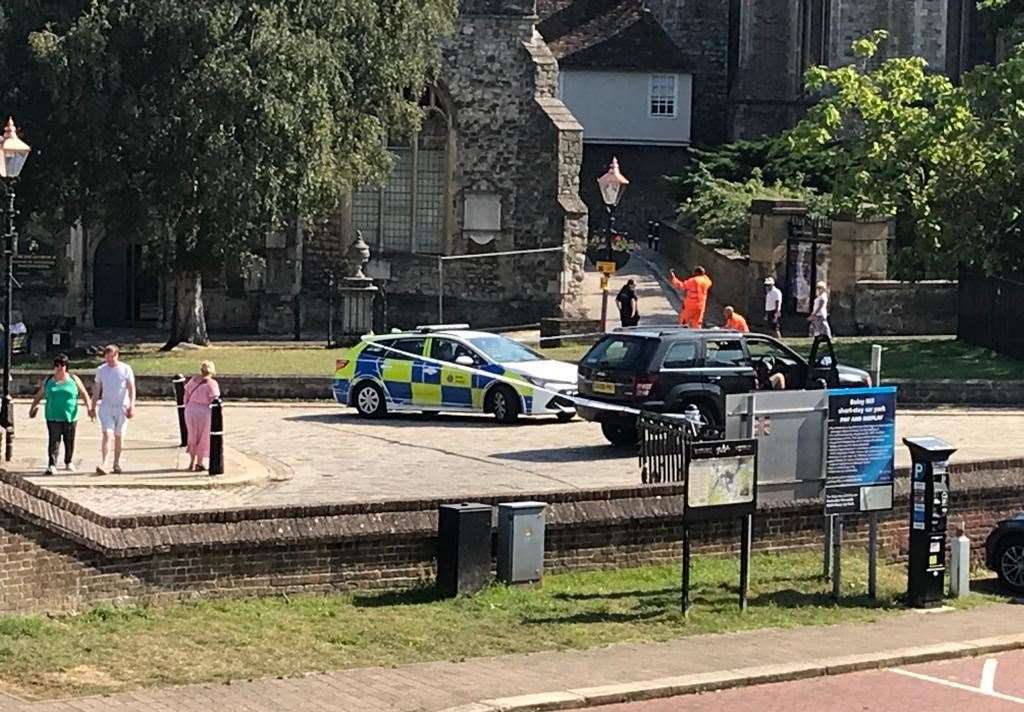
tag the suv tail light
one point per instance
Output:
(340, 364)
(643, 385)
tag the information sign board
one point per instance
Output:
(861, 450)
(721, 479)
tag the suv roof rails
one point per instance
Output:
(431, 328)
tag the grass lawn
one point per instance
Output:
(921, 358)
(110, 649)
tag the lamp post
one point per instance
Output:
(13, 154)
(613, 185)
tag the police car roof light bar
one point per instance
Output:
(430, 328)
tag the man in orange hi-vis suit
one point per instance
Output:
(695, 297)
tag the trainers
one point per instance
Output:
(51, 470)
(100, 470)
(69, 467)
(117, 470)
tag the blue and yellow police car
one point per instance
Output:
(452, 368)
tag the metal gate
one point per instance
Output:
(808, 251)
(663, 440)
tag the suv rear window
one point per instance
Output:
(623, 353)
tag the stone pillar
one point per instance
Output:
(356, 294)
(860, 251)
(769, 232)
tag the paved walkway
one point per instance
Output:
(659, 303)
(152, 459)
(326, 454)
(573, 678)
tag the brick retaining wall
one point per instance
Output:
(308, 388)
(57, 556)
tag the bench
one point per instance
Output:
(19, 344)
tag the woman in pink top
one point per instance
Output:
(199, 393)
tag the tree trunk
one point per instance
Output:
(188, 322)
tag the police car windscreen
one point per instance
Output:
(502, 350)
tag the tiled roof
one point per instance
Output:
(607, 34)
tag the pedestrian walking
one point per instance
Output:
(113, 395)
(735, 321)
(695, 296)
(628, 304)
(61, 390)
(819, 313)
(773, 307)
(200, 392)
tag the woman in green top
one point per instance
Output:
(61, 392)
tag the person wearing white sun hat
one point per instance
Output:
(773, 307)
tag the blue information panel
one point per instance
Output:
(861, 449)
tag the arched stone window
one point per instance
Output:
(410, 212)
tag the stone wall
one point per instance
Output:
(56, 556)
(905, 308)
(700, 28)
(767, 95)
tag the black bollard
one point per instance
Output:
(8, 423)
(216, 437)
(179, 398)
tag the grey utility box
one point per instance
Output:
(520, 542)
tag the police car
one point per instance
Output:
(452, 368)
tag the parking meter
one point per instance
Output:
(929, 508)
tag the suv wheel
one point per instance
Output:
(620, 435)
(503, 402)
(1010, 563)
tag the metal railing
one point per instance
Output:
(663, 440)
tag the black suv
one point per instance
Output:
(672, 369)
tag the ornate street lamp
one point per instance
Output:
(13, 154)
(613, 185)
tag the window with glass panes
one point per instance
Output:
(407, 213)
(663, 95)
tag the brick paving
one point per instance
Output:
(432, 687)
(316, 454)
(944, 685)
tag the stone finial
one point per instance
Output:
(356, 257)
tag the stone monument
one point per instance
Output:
(357, 293)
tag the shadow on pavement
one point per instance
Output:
(587, 453)
(404, 420)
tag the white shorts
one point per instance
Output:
(113, 421)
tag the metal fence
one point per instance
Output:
(663, 440)
(989, 312)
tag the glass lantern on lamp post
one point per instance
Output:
(13, 155)
(613, 185)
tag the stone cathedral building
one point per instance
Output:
(502, 158)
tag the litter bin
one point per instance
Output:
(520, 542)
(463, 548)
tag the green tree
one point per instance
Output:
(208, 124)
(901, 140)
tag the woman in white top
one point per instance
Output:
(819, 315)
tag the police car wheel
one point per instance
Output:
(1010, 563)
(369, 400)
(504, 404)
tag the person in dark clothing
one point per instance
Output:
(628, 304)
